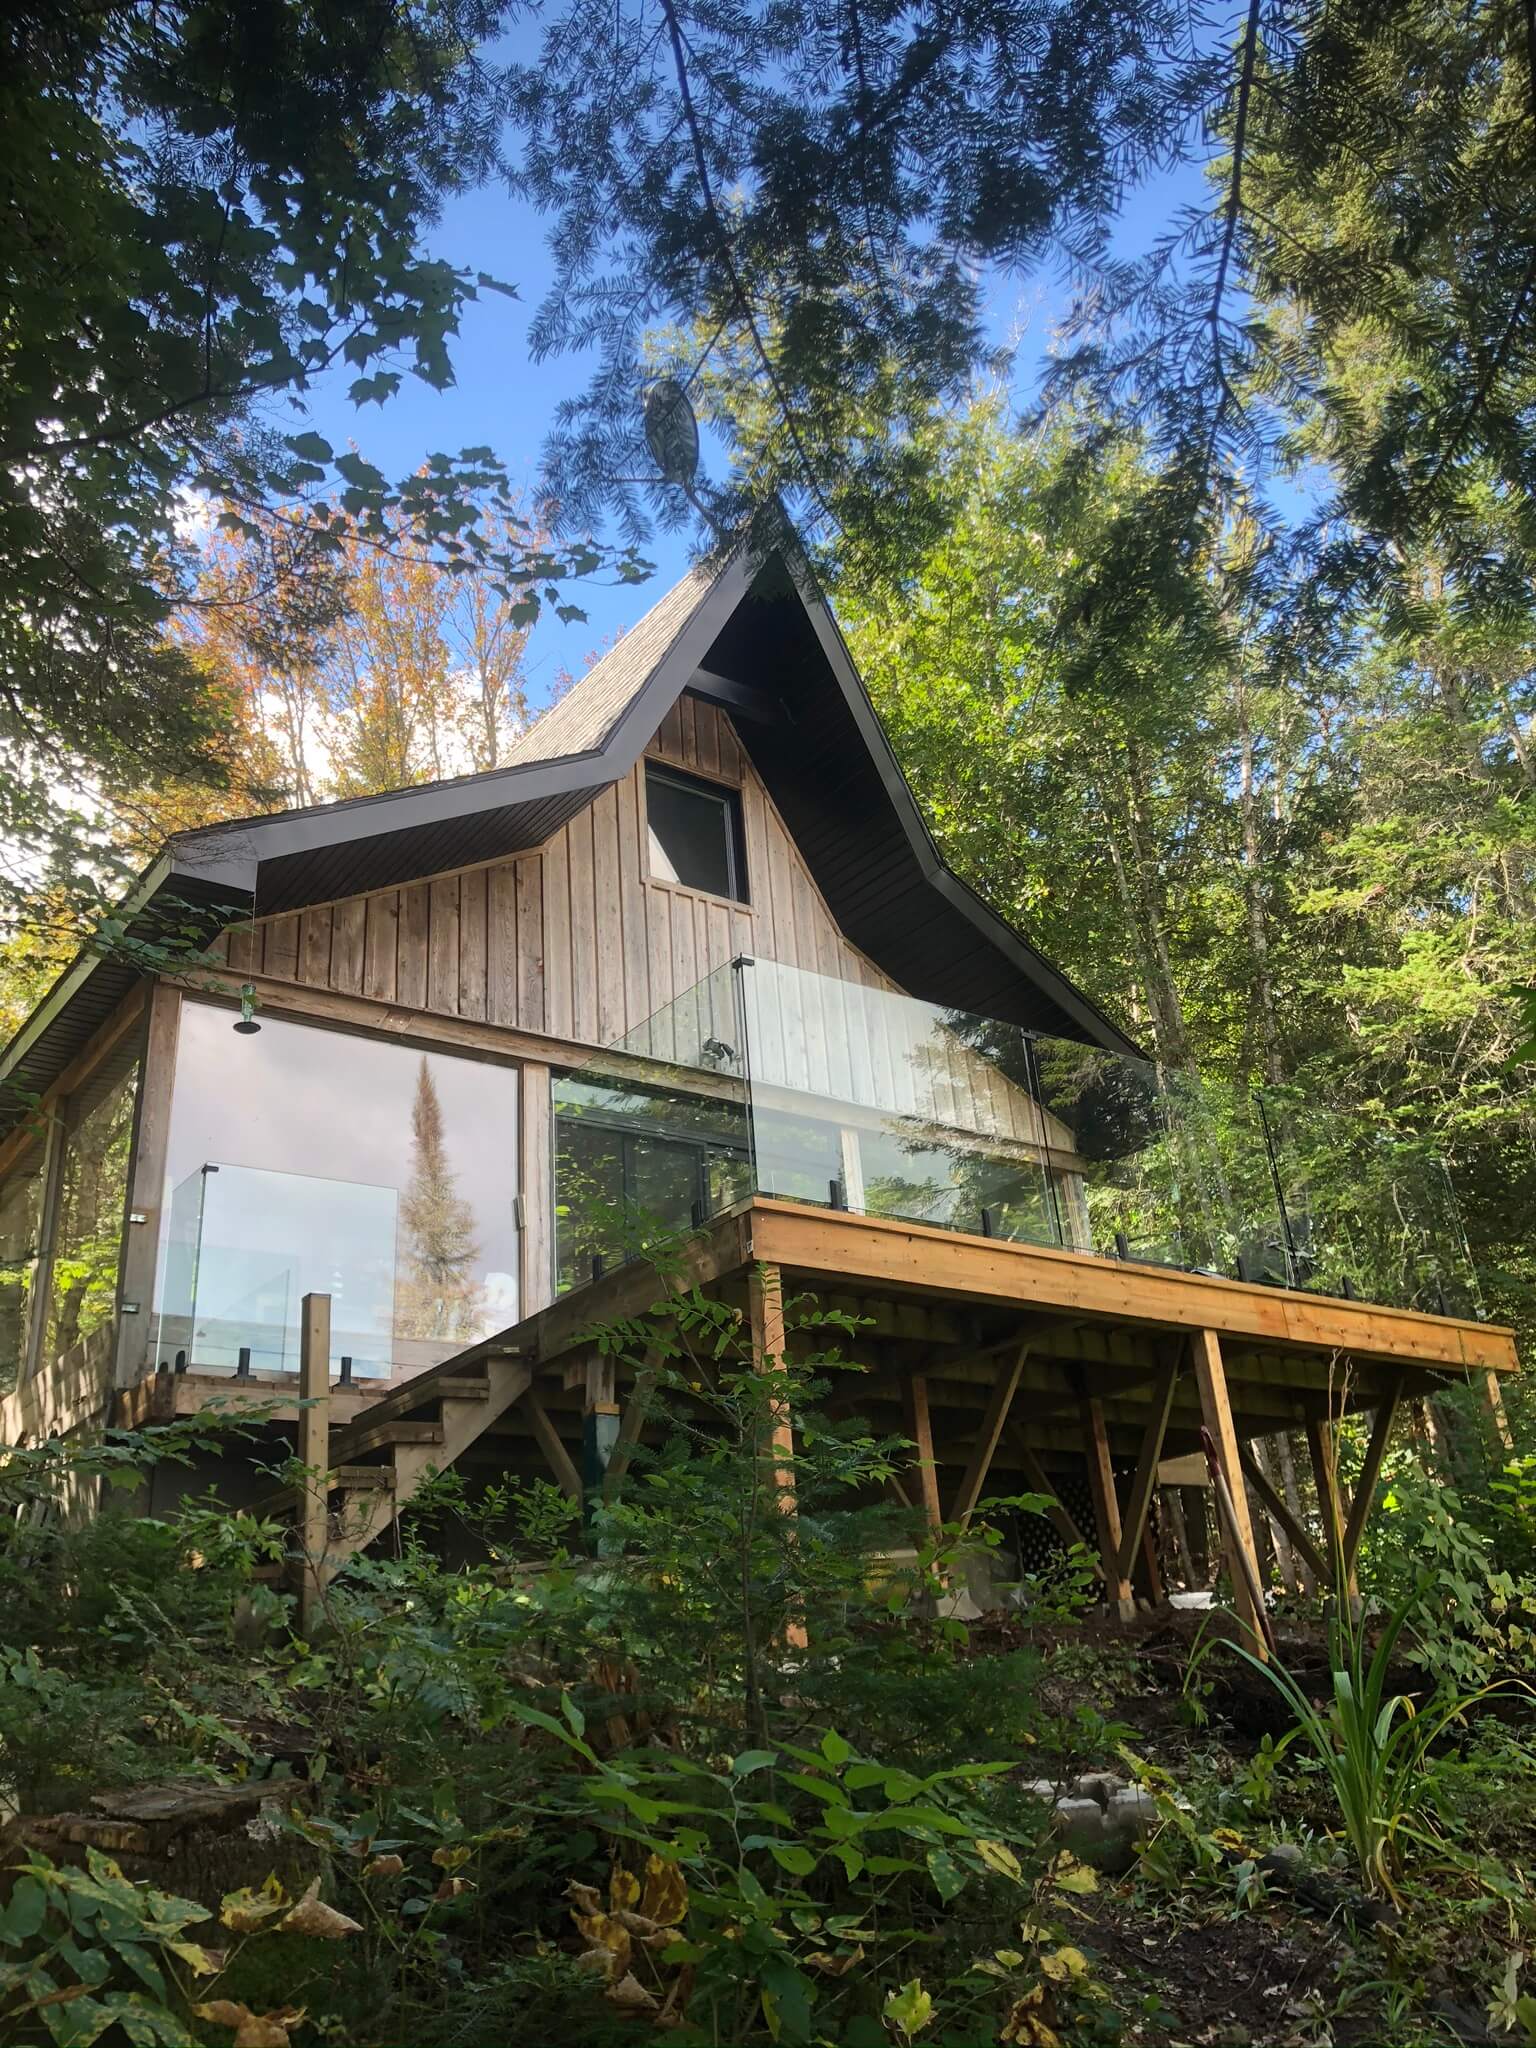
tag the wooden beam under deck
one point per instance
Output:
(1001, 1348)
(915, 1258)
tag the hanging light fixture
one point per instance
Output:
(247, 1025)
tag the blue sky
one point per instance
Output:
(503, 399)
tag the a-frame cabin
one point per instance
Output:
(690, 953)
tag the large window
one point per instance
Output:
(93, 1196)
(695, 834)
(304, 1161)
(631, 1162)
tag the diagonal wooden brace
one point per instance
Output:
(1144, 1485)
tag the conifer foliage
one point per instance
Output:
(439, 1294)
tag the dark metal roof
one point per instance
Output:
(750, 630)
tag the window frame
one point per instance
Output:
(728, 796)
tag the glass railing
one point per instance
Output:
(243, 1248)
(768, 1079)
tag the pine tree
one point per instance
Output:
(439, 1294)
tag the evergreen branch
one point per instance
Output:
(1233, 211)
(728, 258)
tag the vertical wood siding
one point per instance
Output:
(576, 939)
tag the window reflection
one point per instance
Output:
(634, 1162)
(310, 1161)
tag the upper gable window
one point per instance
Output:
(695, 834)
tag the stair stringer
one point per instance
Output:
(463, 1421)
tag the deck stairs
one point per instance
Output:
(377, 1459)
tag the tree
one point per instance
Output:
(1312, 877)
(211, 206)
(822, 196)
(439, 1295)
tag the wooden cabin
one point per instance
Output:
(689, 955)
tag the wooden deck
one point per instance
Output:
(1008, 1365)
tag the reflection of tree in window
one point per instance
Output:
(919, 1177)
(92, 1197)
(589, 1196)
(21, 1208)
(440, 1295)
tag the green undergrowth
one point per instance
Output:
(689, 1765)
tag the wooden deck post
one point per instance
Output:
(1325, 1475)
(1106, 1506)
(1493, 1400)
(599, 1425)
(314, 1454)
(920, 1427)
(1236, 1532)
(765, 1309)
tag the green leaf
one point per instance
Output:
(28, 1908)
(949, 1880)
(836, 1751)
(752, 1760)
(797, 1861)
(819, 1788)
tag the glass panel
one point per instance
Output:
(834, 1093)
(261, 1241)
(305, 1160)
(797, 1156)
(93, 1197)
(692, 835)
(21, 1212)
(632, 1162)
(1369, 1214)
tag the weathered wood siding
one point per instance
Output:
(575, 939)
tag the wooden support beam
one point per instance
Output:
(1144, 1484)
(1254, 1455)
(998, 1403)
(599, 1422)
(920, 1428)
(631, 1423)
(1325, 1475)
(1058, 1514)
(146, 1190)
(556, 1456)
(1106, 1505)
(1280, 1511)
(314, 1454)
(765, 1315)
(1237, 1530)
(1370, 1472)
(1493, 1400)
